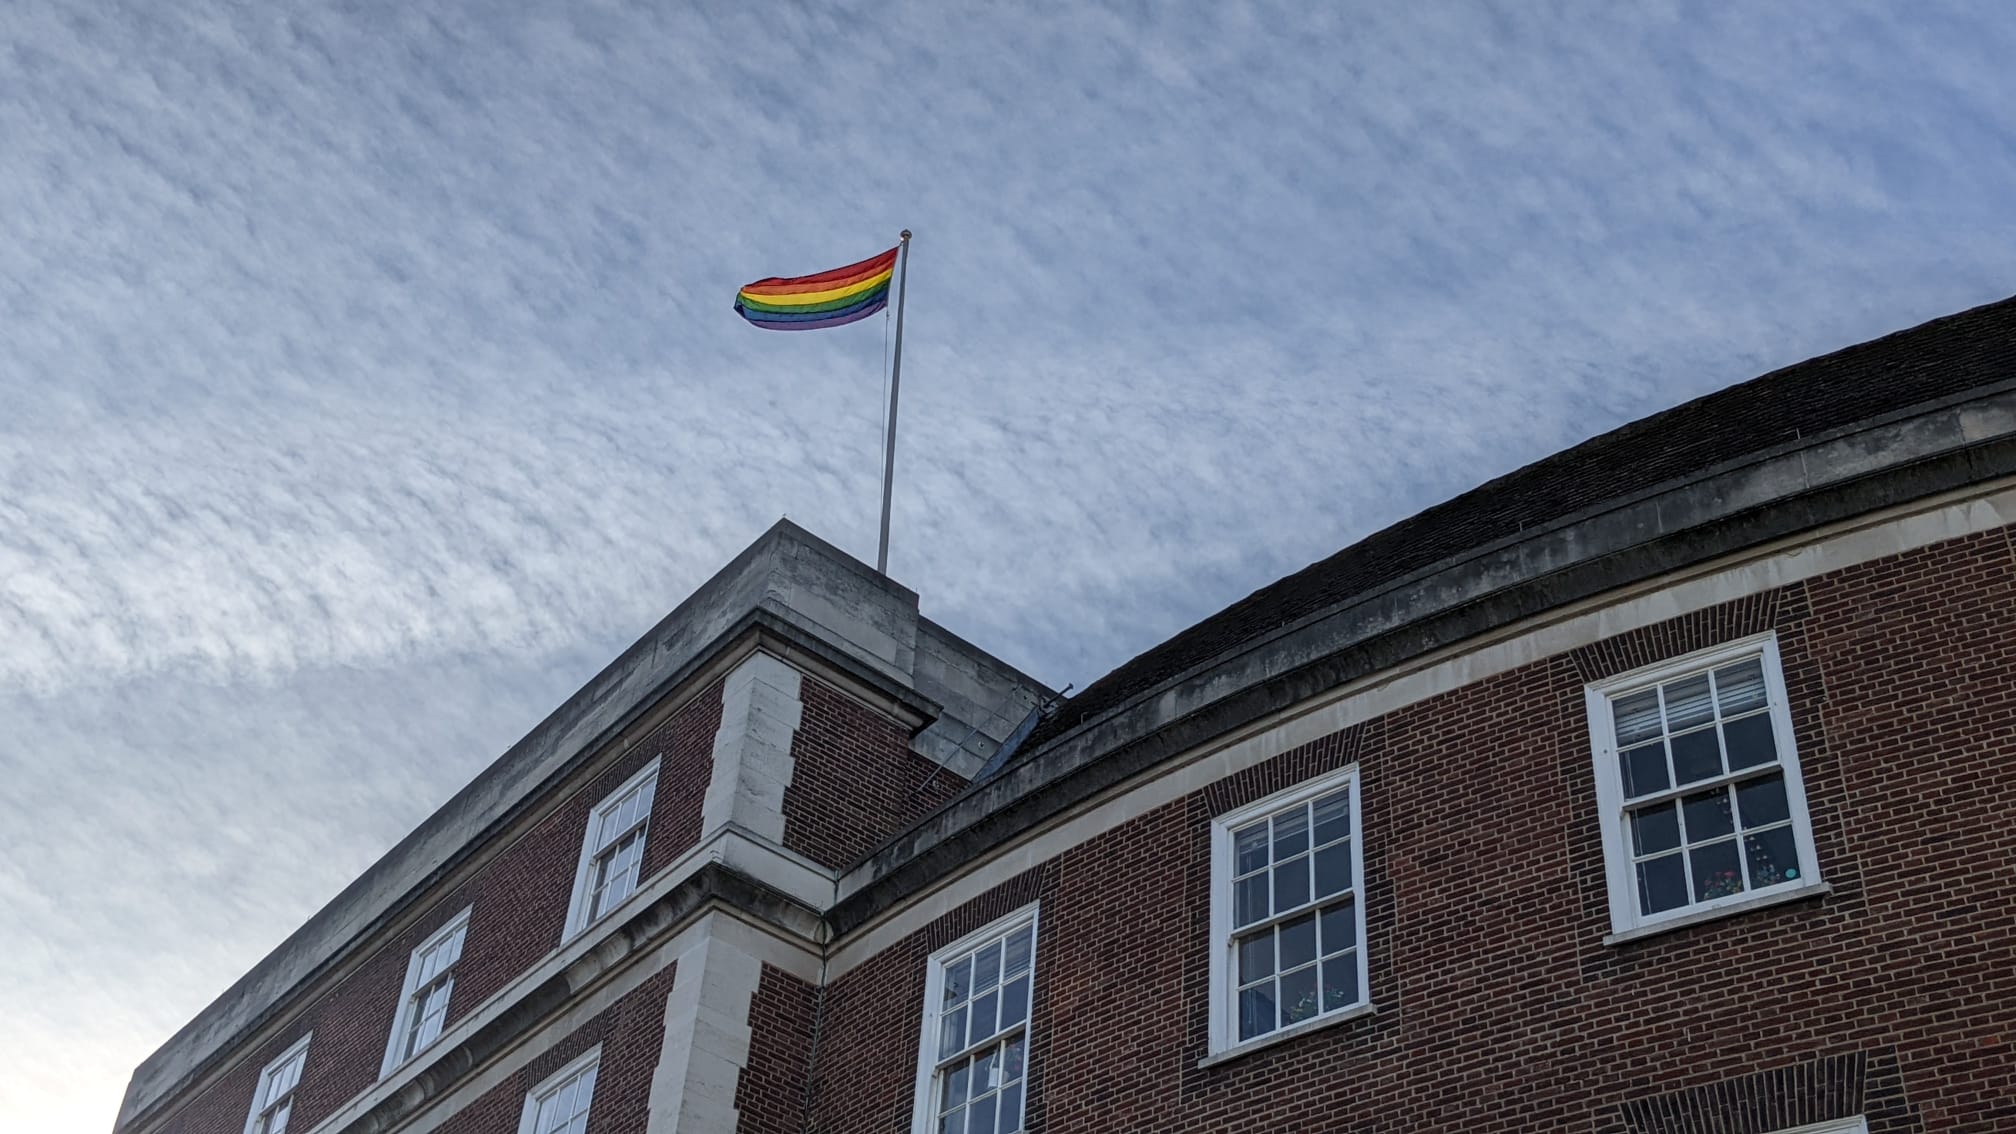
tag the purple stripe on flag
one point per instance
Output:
(814, 324)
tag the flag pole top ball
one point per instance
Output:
(906, 234)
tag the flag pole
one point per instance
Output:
(895, 384)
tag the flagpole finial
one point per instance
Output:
(906, 234)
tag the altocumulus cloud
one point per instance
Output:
(367, 379)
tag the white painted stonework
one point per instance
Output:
(706, 1035)
(760, 711)
(707, 1012)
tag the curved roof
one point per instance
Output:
(1901, 419)
(1927, 362)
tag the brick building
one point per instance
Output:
(1660, 786)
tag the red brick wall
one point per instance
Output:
(865, 1073)
(518, 907)
(771, 1091)
(1498, 1006)
(855, 781)
(631, 1032)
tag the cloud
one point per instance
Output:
(368, 376)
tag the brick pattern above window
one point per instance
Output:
(1858, 1092)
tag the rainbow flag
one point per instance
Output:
(829, 299)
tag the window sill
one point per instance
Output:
(1697, 917)
(1285, 1034)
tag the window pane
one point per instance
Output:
(1340, 981)
(287, 1077)
(955, 1086)
(1298, 996)
(1340, 926)
(1637, 717)
(411, 1042)
(1298, 941)
(1749, 741)
(1011, 1109)
(1256, 956)
(1291, 834)
(986, 1073)
(958, 982)
(429, 1029)
(1654, 829)
(1333, 817)
(987, 967)
(954, 1123)
(1012, 1064)
(1249, 900)
(1688, 703)
(1696, 756)
(1662, 884)
(1763, 801)
(1249, 848)
(1016, 958)
(1333, 869)
(563, 1105)
(1773, 855)
(1291, 884)
(1708, 815)
(984, 1007)
(1739, 688)
(1644, 768)
(1716, 874)
(980, 1119)
(1256, 1010)
(1014, 1001)
(952, 1032)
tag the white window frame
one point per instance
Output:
(1625, 919)
(261, 1104)
(552, 1085)
(1224, 1036)
(409, 998)
(578, 904)
(1855, 1125)
(924, 1117)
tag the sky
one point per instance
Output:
(368, 374)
